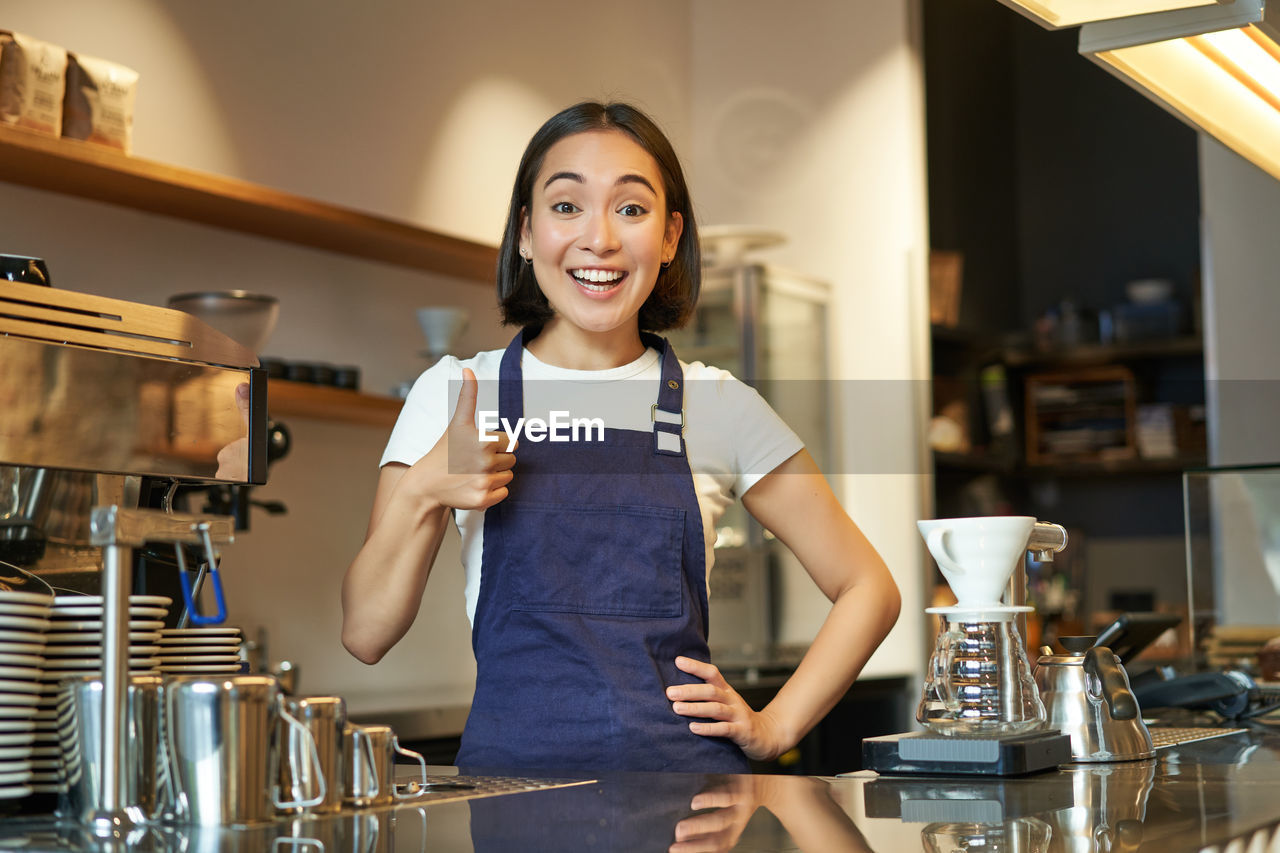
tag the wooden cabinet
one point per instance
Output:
(1081, 415)
(1070, 412)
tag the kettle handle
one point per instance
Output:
(1101, 663)
(936, 543)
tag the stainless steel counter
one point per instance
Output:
(1198, 796)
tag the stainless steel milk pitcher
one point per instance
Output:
(326, 718)
(370, 755)
(140, 770)
(223, 745)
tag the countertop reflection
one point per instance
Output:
(1191, 797)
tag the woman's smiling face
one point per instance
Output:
(598, 230)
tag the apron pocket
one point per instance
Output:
(594, 560)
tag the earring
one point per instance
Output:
(666, 264)
(525, 257)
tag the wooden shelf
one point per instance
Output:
(959, 337)
(1087, 354)
(320, 402)
(1068, 467)
(973, 461)
(102, 174)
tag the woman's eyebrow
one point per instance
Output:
(629, 178)
(567, 176)
(636, 179)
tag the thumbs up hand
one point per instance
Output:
(462, 470)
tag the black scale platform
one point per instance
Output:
(925, 753)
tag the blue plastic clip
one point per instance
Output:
(211, 560)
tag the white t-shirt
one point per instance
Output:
(732, 437)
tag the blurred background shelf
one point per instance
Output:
(976, 463)
(102, 174)
(973, 462)
(1094, 353)
(319, 402)
(1105, 467)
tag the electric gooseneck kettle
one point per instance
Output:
(1086, 693)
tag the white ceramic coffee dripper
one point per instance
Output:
(978, 682)
(441, 326)
(977, 555)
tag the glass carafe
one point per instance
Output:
(1020, 835)
(978, 682)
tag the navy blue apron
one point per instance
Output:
(593, 580)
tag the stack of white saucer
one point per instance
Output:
(212, 650)
(73, 649)
(75, 635)
(24, 619)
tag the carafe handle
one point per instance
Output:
(937, 544)
(943, 676)
(317, 771)
(1100, 662)
(395, 743)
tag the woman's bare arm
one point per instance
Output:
(795, 503)
(383, 586)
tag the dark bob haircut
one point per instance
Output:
(676, 291)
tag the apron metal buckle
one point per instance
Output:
(667, 417)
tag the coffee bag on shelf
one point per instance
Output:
(98, 106)
(32, 74)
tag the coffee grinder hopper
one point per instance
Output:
(122, 390)
(980, 706)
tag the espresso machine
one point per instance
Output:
(98, 396)
(980, 707)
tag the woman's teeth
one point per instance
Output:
(597, 280)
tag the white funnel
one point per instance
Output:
(977, 555)
(441, 326)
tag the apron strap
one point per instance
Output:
(511, 381)
(668, 412)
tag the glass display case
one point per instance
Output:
(768, 327)
(1233, 563)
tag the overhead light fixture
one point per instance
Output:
(1217, 68)
(1056, 14)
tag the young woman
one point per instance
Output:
(587, 559)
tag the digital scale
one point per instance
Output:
(928, 753)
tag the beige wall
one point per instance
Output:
(419, 112)
(820, 135)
